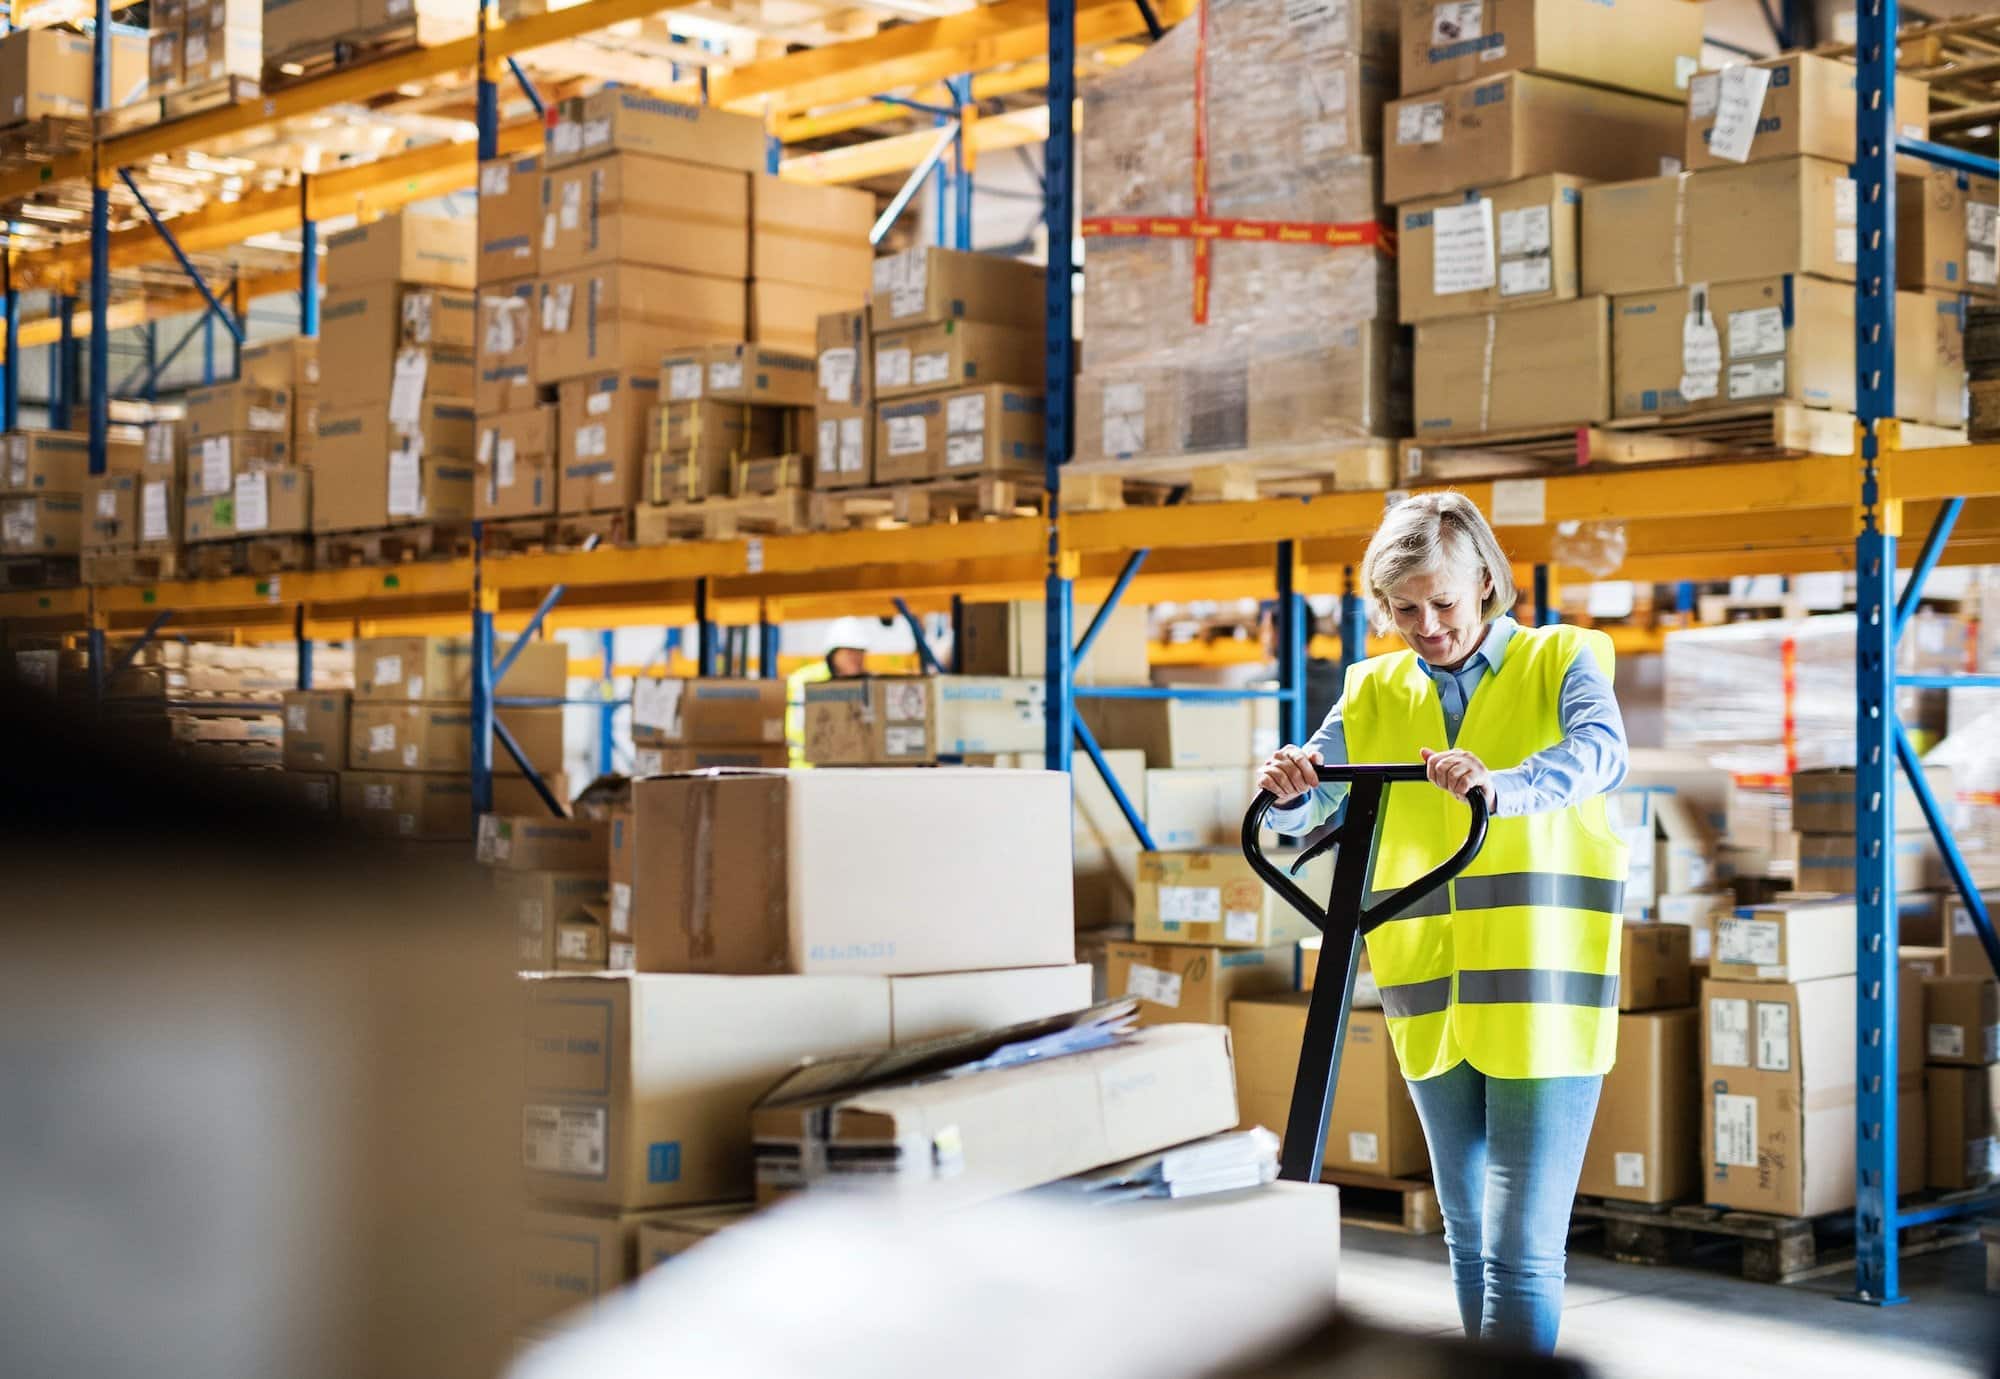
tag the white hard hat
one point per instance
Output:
(849, 633)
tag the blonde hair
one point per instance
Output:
(1434, 531)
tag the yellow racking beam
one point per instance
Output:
(902, 152)
(1028, 76)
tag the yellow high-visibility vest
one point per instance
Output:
(811, 673)
(1514, 966)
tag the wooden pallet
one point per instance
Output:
(1728, 433)
(722, 519)
(248, 555)
(1407, 1206)
(131, 567)
(1229, 476)
(361, 46)
(924, 503)
(393, 545)
(566, 532)
(43, 140)
(40, 572)
(177, 105)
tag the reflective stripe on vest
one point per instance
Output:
(1532, 888)
(1520, 985)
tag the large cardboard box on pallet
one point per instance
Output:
(708, 712)
(384, 736)
(1963, 1106)
(369, 477)
(58, 461)
(47, 71)
(1373, 1126)
(438, 670)
(510, 218)
(366, 332)
(316, 729)
(1806, 107)
(517, 464)
(728, 871)
(786, 315)
(111, 513)
(601, 448)
(627, 120)
(41, 524)
(625, 316)
(632, 208)
(508, 322)
(1789, 215)
(955, 354)
(1184, 982)
(736, 372)
(844, 453)
(916, 719)
(1525, 369)
(404, 248)
(812, 236)
(1210, 896)
(1651, 47)
(1501, 129)
(1635, 235)
(1778, 1118)
(926, 286)
(1645, 1145)
(1479, 251)
(1946, 233)
(266, 502)
(237, 409)
(996, 430)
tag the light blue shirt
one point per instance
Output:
(1590, 759)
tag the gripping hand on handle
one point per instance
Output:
(1290, 773)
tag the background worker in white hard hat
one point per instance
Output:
(846, 659)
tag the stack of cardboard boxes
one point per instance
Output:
(308, 28)
(129, 511)
(194, 43)
(46, 72)
(243, 478)
(395, 438)
(549, 882)
(45, 485)
(1823, 844)
(919, 720)
(516, 452)
(1962, 1079)
(691, 725)
(732, 421)
(1509, 111)
(1645, 1145)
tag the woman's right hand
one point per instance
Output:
(1289, 773)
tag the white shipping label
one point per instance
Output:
(573, 943)
(1364, 1147)
(906, 701)
(1704, 940)
(892, 368)
(1946, 1041)
(1846, 244)
(1982, 224)
(406, 394)
(388, 670)
(1525, 230)
(836, 374)
(1735, 1131)
(1753, 334)
(410, 757)
(963, 414)
(964, 452)
(725, 375)
(1749, 942)
(406, 485)
(1324, 136)
(1520, 502)
(596, 132)
(556, 307)
(107, 503)
(906, 435)
(590, 441)
(1125, 419)
(503, 463)
(853, 444)
(253, 502)
(1982, 266)
(621, 957)
(657, 704)
(1420, 123)
(599, 404)
(1739, 104)
(417, 318)
(502, 330)
(648, 761)
(1846, 201)
(1462, 248)
(829, 447)
(1702, 94)
(563, 1139)
(1774, 1036)
(17, 526)
(570, 213)
(907, 301)
(1729, 1032)
(378, 796)
(903, 742)
(406, 825)
(1764, 378)
(684, 382)
(1961, 920)
(215, 465)
(548, 236)
(1629, 1170)
(1455, 21)
(382, 737)
(1685, 66)
(1524, 277)
(931, 368)
(493, 178)
(1152, 984)
(1701, 352)
(153, 511)
(1241, 926)
(1191, 904)
(488, 436)
(621, 907)
(295, 720)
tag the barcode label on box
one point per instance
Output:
(153, 511)
(836, 374)
(892, 368)
(1629, 1170)
(253, 507)
(1151, 984)
(1757, 332)
(1524, 277)
(657, 704)
(683, 382)
(621, 957)
(1729, 1033)
(574, 942)
(295, 718)
(1749, 942)
(926, 369)
(903, 742)
(1947, 1041)
(378, 796)
(1363, 1147)
(621, 907)
(725, 375)
(563, 1139)
(1735, 1131)
(382, 737)
(963, 415)
(906, 435)
(1764, 378)
(1241, 926)
(1421, 123)
(389, 670)
(1774, 1036)
(1191, 904)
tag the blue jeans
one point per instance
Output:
(1506, 1154)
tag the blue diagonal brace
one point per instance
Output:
(1088, 742)
(541, 786)
(924, 652)
(131, 653)
(1913, 592)
(1109, 606)
(549, 601)
(947, 135)
(151, 373)
(1945, 156)
(1954, 860)
(187, 265)
(528, 88)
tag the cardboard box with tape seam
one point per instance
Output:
(1964, 1126)
(1538, 366)
(708, 711)
(1373, 1125)
(508, 322)
(626, 119)
(915, 720)
(1651, 47)
(1211, 896)
(943, 355)
(1804, 106)
(633, 208)
(927, 286)
(1175, 982)
(1510, 245)
(404, 247)
(1946, 233)
(1645, 1145)
(510, 218)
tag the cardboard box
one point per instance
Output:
(1350, 382)
(926, 286)
(1010, 1127)
(917, 719)
(1483, 133)
(1105, 850)
(1653, 966)
(1191, 807)
(811, 235)
(510, 218)
(752, 849)
(738, 373)
(47, 71)
(563, 1262)
(290, 364)
(718, 711)
(163, 60)
(1474, 251)
(625, 316)
(671, 761)
(1823, 799)
(845, 449)
(785, 315)
(1699, 911)
(316, 792)
(623, 119)
(955, 354)
(1650, 47)
(508, 324)
(360, 331)
(1947, 310)
(56, 461)
(845, 355)
(1012, 639)
(294, 24)
(633, 208)
(601, 447)
(1514, 370)
(1210, 896)
(368, 475)
(1966, 952)
(1963, 1106)
(1635, 235)
(440, 316)
(1807, 109)
(1826, 863)
(404, 248)
(1184, 982)
(517, 464)
(428, 808)
(535, 842)
(1373, 1127)
(438, 670)
(537, 905)
(111, 512)
(1962, 1020)
(438, 737)
(316, 729)
(1796, 941)
(238, 408)
(1645, 1145)
(273, 502)
(42, 524)
(637, 1089)
(1946, 237)
(212, 54)
(1775, 339)
(990, 430)
(1177, 732)
(700, 446)
(940, 1005)
(1789, 215)
(216, 462)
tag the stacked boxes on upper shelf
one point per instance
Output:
(958, 351)
(690, 725)
(46, 72)
(1510, 109)
(1962, 1079)
(516, 449)
(732, 420)
(195, 43)
(243, 478)
(395, 437)
(549, 879)
(1282, 332)
(50, 503)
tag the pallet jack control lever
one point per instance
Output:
(1342, 923)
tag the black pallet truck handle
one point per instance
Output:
(1342, 922)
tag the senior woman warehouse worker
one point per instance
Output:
(1501, 995)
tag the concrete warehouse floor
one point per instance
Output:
(1632, 1321)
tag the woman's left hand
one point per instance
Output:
(1460, 773)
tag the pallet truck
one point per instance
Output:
(1342, 922)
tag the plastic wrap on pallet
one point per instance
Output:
(1299, 344)
(1971, 748)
